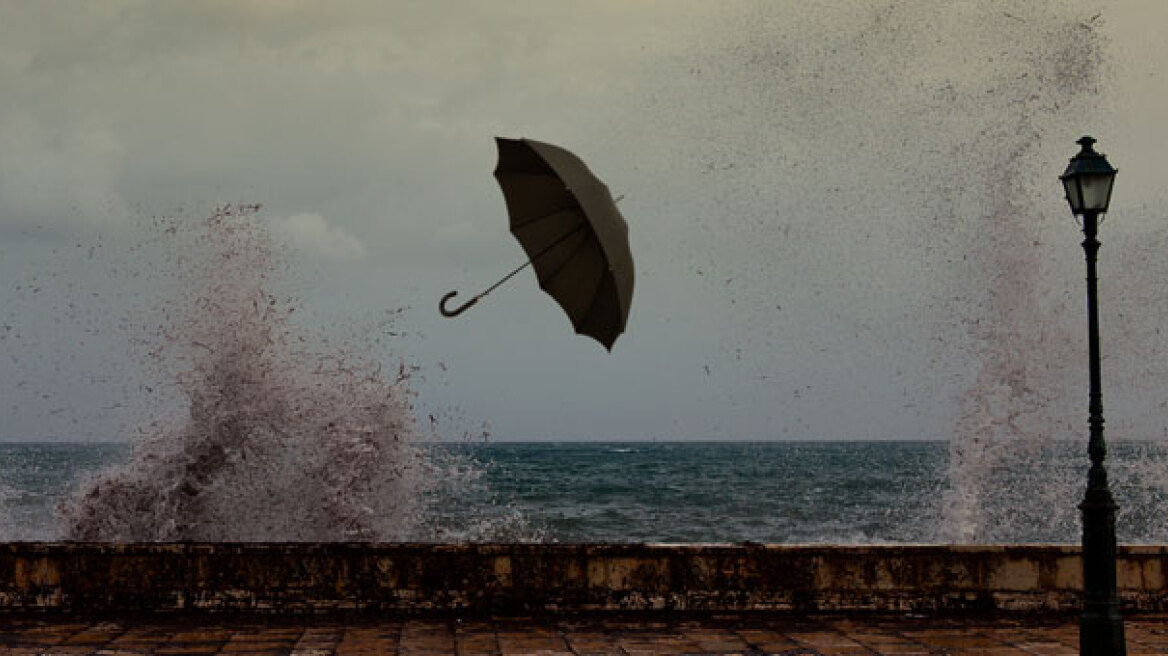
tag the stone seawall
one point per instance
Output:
(551, 578)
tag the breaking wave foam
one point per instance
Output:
(284, 435)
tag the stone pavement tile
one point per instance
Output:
(370, 641)
(822, 639)
(716, 640)
(1050, 643)
(905, 649)
(68, 650)
(1156, 647)
(97, 634)
(656, 649)
(140, 637)
(1065, 633)
(261, 640)
(11, 630)
(648, 644)
(186, 640)
(512, 647)
(42, 634)
(188, 648)
(268, 633)
(634, 637)
(1005, 648)
(873, 633)
(767, 640)
(516, 641)
(293, 632)
(592, 645)
(1033, 642)
(194, 642)
(254, 649)
(1142, 639)
(216, 634)
(891, 644)
(426, 637)
(588, 639)
(1009, 635)
(1146, 638)
(963, 639)
(255, 643)
(475, 637)
(476, 644)
(318, 641)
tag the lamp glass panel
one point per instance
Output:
(1096, 191)
(1074, 197)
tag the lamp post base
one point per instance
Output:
(1101, 626)
(1101, 632)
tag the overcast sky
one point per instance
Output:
(845, 215)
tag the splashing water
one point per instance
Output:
(286, 437)
(903, 146)
(1004, 486)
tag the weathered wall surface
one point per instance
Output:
(540, 578)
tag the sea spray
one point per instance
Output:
(283, 436)
(1004, 485)
(909, 271)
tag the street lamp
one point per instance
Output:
(1088, 181)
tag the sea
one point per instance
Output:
(680, 492)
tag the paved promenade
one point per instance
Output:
(731, 634)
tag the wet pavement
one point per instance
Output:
(602, 634)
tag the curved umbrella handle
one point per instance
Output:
(458, 310)
(462, 308)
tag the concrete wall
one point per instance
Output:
(530, 578)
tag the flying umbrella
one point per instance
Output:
(575, 237)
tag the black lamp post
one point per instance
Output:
(1088, 180)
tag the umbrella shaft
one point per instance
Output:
(535, 257)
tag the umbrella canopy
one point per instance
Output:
(569, 225)
(574, 235)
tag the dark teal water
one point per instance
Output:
(777, 492)
(34, 477)
(720, 492)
